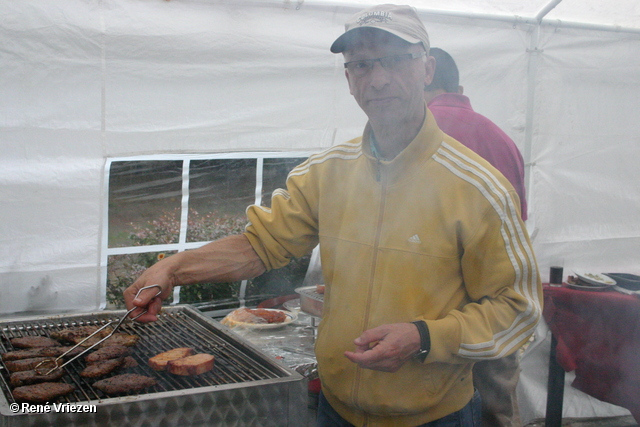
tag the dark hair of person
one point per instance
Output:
(446, 76)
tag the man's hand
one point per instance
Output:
(385, 348)
(159, 275)
(229, 259)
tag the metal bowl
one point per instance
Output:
(311, 302)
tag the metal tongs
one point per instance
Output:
(40, 367)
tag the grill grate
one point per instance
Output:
(310, 292)
(235, 361)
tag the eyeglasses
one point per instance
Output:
(392, 63)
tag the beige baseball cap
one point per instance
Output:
(401, 21)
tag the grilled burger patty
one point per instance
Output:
(42, 392)
(108, 352)
(27, 364)
(77, 334)
(101, 368)
(21, 378)
(41, 352)
(33, 342)
(124, 383)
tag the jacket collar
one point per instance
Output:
(423, 146)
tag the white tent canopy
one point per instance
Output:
(86, 81)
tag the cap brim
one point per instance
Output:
(342, 42)
(339, 45)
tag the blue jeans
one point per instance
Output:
(469, 416)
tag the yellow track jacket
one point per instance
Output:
(434, 234)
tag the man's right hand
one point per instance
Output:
(158, 275)
(229, 259)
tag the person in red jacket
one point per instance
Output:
(496, 380)
(456, 118)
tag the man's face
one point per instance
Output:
(389, 96)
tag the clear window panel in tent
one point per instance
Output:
(219, 192)
(274, 175)
(144, 202)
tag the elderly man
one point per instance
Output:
(426, 262)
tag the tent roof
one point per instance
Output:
(621, 15)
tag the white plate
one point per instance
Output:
(596, 279)
(588, 287)
(626, 291)
(292, 305)
(291, 317)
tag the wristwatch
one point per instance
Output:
(425, 340)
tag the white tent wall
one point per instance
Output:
(584, 197)
(202, 77)
(584, 192)
(50, 181)
(83, 81)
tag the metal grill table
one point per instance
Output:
(245, 387)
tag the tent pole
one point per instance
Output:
(533, 55)
(556, 23)
(545, 10)
(348, 8)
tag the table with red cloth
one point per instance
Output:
(597, 335)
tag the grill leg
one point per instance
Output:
(555, 389)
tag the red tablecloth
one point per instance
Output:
(598, 336)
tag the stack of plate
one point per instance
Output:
(592, 281)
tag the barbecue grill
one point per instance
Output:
(245, 387)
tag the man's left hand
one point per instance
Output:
(385, 348)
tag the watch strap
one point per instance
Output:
(425, 340)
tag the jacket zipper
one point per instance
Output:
(374, 151)
(383, 191)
